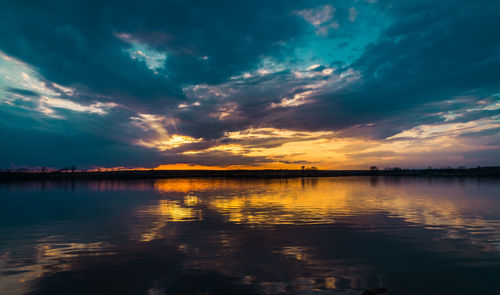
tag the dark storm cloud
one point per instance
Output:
(23, 92)
(54, 143)
(431, 52)
(251, 97)
(81, 44)
(216, 67)
(77, 43)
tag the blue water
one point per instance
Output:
(217, 236)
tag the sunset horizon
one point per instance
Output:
(263, 147)
(342, 85)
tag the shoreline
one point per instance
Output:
(259, 174)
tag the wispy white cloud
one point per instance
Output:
(26, 85)
(154, 59)
(322, 18)
(47, 106)
(353, 14)
(322, 80)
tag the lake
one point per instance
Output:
(227, 236)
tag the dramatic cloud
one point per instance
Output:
(278, 84)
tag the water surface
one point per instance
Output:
(221, 236)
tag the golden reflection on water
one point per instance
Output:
(363, 203)
(317, 201)
(322, 201)
(186, 185)
(169, 211)
(299, 253)
(172, 211)
(283, 206)
(68, 250)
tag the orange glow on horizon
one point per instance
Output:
(270, 148)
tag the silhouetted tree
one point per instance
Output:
(373, 168)
(303, 167)
(63, 169)
(73, 168)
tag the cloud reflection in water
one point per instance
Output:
(220, 236)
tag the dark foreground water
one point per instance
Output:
(216, 236)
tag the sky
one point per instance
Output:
(249, 84)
